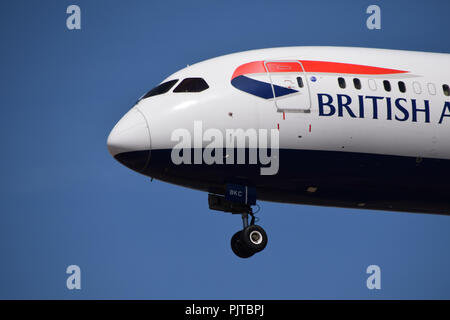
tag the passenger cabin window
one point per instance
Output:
(341, 82)
(162, 88)
(192, 85)
(417, 87)
(431, 88)
(387, 85)
(357, 83)
(446, 89)
(300, 82)
(401, 86)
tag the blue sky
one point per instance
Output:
(65, 200)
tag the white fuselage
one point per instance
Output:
(386, 103)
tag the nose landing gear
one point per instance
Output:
(252, 238)
(247, 242)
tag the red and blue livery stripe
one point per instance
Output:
(262, 89)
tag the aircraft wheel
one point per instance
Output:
(254, 238)
(239, 247)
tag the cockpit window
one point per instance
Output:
(162, 88)
(192, 85)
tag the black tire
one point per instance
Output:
(254, 238)
(238, 247)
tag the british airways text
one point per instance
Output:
(376, 107)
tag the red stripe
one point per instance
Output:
(247, 68)
(345, 68)
(284, 67)
(313, 67)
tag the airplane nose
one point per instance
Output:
(129, 141)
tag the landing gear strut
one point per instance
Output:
(252, 238)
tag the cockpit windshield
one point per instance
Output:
(162, 88)
(192, 85)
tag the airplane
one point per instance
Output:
(348, 127)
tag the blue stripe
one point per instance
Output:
(259, 88)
